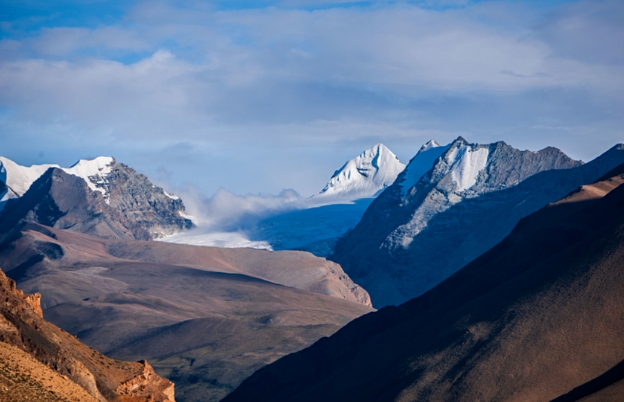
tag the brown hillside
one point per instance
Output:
(532, 319)
(206, 318)
(22, 327)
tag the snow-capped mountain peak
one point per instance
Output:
(421, 164)
(365, 175)
(18, 178)
(428, 145)
(93, 171)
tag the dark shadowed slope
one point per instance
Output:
(533, 318)
(412, 238)
(206, 318)
(39, 361)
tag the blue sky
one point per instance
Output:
(265, 95)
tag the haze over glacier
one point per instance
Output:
(289, 221)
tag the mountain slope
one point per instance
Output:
(204, 317)
(129, 193)
(23, 327)
(535, 317)
(363, 176)
(64, 201)
(428, 225)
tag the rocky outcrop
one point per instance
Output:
(22, 326)
(64, 201)
(146, 382)
(141, 202)
(451, 204)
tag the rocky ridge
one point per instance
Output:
(451, 204)
(126, 191)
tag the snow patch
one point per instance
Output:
(421, 164)
(93, 172)
(18, 178)
(172, 196)
(471, 162)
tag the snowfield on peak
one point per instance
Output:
(19, 178)
(92, 171)
(468, 163)
(421, 164)
(364, 176)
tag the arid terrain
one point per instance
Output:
(535, 318)
(206, 318)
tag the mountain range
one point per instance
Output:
(450, 205)
(141, 210)
(88, 254)
(537, 317)
(208, 318)
(323, 218)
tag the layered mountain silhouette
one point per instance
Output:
(205, 318)
(451, 204)
(39, 361)
(537, 317)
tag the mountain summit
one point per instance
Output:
(125, 197)
(536, 317)
(451, 204)
(364, 176)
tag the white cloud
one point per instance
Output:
(292, 83)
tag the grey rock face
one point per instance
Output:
(129, 198)
(414, 235)
(64, 201)
(140, 201)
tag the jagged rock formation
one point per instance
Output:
(451, 204)
(64, 201)
(140, 201)
(148, 208)
(206, 318)
(103, 378)
(536, 317)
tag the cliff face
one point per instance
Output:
(140, 201)
(103, 378)
(64, 201)
(440, 215)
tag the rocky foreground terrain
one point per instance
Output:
(40, 362)
(538, 317)
(205, 318)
